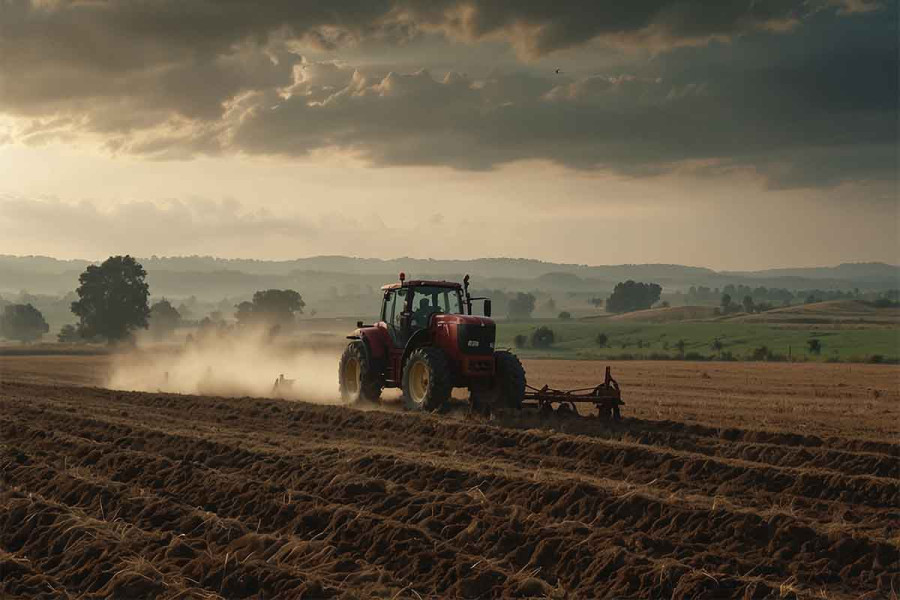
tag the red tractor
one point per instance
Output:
(429, 342)
(426, 343)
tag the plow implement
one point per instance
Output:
(606, 397)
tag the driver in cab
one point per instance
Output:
(421, 314)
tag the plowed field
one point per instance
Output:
(148, 495)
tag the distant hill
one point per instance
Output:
(668, 315)
(330, 277)
(845, 312)
(862, 272)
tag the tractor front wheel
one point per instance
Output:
(357, 377)
(427, 380)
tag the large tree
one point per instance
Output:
(112, 298)
(22, 322)
(271, 307)
(631, 295)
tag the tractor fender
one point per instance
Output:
(376, 362)
(376, 340)
(420, 338)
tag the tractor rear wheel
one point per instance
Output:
(509, 380)
(427, 381)
(357, 377)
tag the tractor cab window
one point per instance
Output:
(399, 307)
(394, 305)
(392, 314)
(428, 300)
(387, 311)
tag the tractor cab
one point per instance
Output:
(409, 306)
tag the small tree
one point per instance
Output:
(112, 298)
(597, 302)
(542, 337)
(717, 346)
(602, 340)
(69, 334)
(271, 307)
(520, 340)
(748, 304)
(814, 345)
(565, 315)
(680, 346)
(631, 295)
(163, 319)
(23, 323)
(550, 306)
(521, 306)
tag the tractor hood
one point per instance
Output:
(463, 320)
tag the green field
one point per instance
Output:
(577, 340)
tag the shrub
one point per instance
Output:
(565, 315)
(602, 340)
(520, 340)
(885, 303)
(69, 334)
(876, 359)
(761, 353)
(815, 346)
(542, 337)
(694, 356)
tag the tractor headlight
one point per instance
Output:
(473, 343)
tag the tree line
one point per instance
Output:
(113, 302)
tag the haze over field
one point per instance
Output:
(737, 135)
(647, 344)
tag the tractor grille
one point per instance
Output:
(480, 366)
(476, 339)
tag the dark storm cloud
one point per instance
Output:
(786, 86)
(538, 26)
(821, 114)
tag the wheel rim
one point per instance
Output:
(418, 382)
(351, 376)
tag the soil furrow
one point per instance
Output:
(269, 465)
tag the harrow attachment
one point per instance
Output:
(606, 397)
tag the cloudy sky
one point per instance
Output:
(726, 133)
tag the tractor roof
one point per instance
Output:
(420, 282)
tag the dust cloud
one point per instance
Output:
(231, 363)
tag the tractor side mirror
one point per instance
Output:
(487, 307)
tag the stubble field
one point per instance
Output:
(723, 481)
